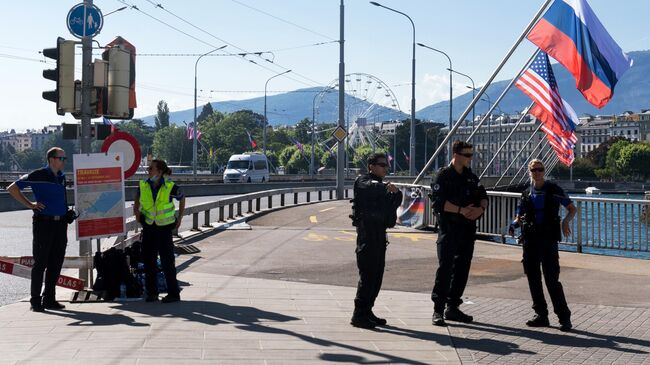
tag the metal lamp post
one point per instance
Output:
(412, 129)
(451, 92)
(265, 120)
(194, 130)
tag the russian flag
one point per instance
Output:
(572, 34)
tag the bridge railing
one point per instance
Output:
(600, 223)
(232, 208)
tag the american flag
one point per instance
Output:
(557, 117)
(190, 133)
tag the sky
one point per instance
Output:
(299, 35)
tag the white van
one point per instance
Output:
(247, 168)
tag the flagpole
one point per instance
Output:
(503, 94)
(460, 120)
(527, 159)
(518, 154)
(512, 131)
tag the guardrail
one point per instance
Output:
(600, 223)
(232, 208)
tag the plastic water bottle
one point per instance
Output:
(122, 291)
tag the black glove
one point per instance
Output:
(70, 216)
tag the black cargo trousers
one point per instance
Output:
(371, 260)
(455, 249)
(539, 250)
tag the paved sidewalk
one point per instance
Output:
(224, 320)
(281, 293)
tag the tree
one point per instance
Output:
(171, 144)
(205, 112)
(162, 115)
(613, 154)
(634, 161)
(143, 133)
(583, 168)
(30, 159)
(303, 131)
(599, 154)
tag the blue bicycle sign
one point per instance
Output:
(85, 20)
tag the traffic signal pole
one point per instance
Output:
(85, 248)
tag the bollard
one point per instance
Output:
(206, 219)
(195, 221)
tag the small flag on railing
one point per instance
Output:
(251, 140)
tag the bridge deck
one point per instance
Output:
(282, 292)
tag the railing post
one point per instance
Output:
(331, 194)
(308, 197)
(206, 218)
(221, 214)
(579, 227)
(320, 195)
(195, 221)
(239, 209)
(295, 198)
(281, 200)
(230, 211)
(250, 206)
(270, 202)
(346, 193)
(257, 204)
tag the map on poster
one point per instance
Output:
(99, 194)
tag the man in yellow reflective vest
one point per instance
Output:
(154, 210)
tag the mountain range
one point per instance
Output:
(632, 93)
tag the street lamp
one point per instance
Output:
(451, 92)
(115, 11)
(313, 127)
(194, 125)
(265, 120)
(412, 131)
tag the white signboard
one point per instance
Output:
(99, 194)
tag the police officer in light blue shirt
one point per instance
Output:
(49, 226)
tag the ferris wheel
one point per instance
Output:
(368, 101)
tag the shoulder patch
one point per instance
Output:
(436, 187)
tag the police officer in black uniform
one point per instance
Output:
(540, 227)
(374, 209)
(459, 201)
(49, 227)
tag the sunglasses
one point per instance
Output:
(61, 158)
(468, 155)
(537, 169)
(381, 164)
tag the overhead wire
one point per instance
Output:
(284, 20)
(160, 6)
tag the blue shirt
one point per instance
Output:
(48, 188)
(537, 196)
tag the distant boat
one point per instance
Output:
(591, 190)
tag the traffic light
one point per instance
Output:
(63, 75)
(119, 70)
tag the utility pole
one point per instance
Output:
(340, 162)
(85, 248)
